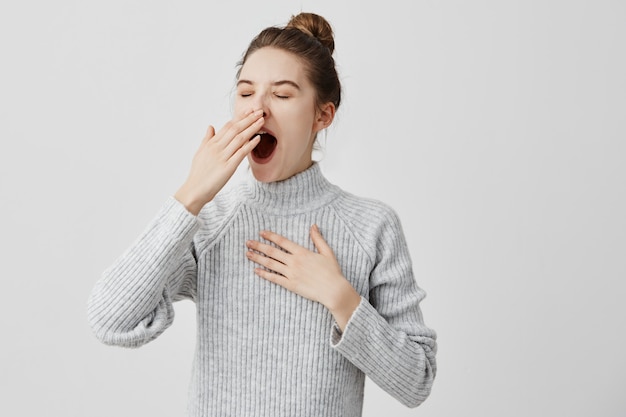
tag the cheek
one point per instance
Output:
(239, 107)
(303, 114)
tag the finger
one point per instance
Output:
(267, 262)
(272, 277)
(319, 242)
(281, 241)
(245, 114)
(232, 129)
(244, 150)
(268, 250)
(244, 137)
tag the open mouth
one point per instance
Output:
(264, 150)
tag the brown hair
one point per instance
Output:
(310, 38)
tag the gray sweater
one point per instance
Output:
(262, 350)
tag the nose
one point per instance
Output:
(261, 103)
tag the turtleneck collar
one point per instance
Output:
(305, 191)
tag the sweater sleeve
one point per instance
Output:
(386, 337)
(132, 302)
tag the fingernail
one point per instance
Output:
(258, 112)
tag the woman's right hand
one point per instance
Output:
(217, 159)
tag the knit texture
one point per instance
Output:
(263, 351)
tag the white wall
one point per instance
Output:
(495, 128)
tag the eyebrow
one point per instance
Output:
(275, 83)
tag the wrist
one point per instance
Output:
(343, 304)
(192, 202)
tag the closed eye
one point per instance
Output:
(281, 96)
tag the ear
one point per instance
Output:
(324, 116)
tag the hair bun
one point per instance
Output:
(316, 26)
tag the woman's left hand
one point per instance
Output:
(316, 276)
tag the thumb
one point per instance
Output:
(210, 132)
(319, 242)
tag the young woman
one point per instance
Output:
(301, 288)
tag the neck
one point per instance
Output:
(305, 191)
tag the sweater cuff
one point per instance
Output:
(358, 333)
(175, 216)
(337, 336)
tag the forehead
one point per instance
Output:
(268, 64)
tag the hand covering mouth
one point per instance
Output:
(266, 146)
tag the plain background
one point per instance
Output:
(495, 129)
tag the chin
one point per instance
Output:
(274, 170)
(265, 173)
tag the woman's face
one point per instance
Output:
(275, 81)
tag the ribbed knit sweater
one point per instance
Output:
(263, 351)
